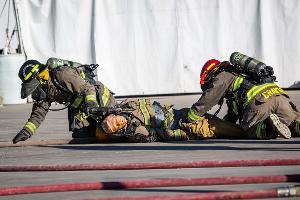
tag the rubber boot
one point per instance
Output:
(276, 126)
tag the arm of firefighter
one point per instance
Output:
(71, 79)
(38, 114)
(211, 96)
(78, 86)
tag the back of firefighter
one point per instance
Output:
(264, 110)
(64, 84)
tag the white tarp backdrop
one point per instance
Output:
(159, 46)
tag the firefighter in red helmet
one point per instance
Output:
(263, 109)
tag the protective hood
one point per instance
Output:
(28, 88)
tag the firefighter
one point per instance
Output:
(64, 82)
(144, 120)
(263, 109)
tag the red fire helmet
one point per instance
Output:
(207, 71)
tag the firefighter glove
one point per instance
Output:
(200, 128)
(91, 108)
(21, 136)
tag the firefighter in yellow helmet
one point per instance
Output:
(263, 109)
(64, 82)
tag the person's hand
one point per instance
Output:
(91, 107)
(200, 128)
(21, 136)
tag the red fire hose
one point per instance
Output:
(254, 194)
(154, 165)
(129, 184)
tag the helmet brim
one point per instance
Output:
(28, 88)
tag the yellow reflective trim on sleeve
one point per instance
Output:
(30, 73)
(177, 134)
(90, 97)
(255, 90)
(31, 126)
(81, 116)
(76, 103)
(145, 112)
(235, 108)
(237, 83)
(193, 116)
(105, 96)
(82, 74)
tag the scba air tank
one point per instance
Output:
(258, 70)
(56, 62)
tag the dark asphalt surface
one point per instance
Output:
(13, 117)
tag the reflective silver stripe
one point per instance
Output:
(105, 96)
(31, 126)
(145, 111)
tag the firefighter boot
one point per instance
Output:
(274, 125)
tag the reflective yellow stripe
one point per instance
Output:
(145, 111)
(178, 133)
(259, 130)
(193, 116)
(237, 83)
(82, 74)
(31, 127)
(90, 97)
(30, 73)
(105, 96)
(255, 90)
(81, 116)
(210, 66)
(235, 108)
(77, 102)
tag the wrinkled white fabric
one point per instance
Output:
(159, 46)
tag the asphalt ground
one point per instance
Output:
(55, 126)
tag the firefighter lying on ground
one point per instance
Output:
(144, 120)
(64, 82)
(264, 110)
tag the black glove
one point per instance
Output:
(21, 136)
(91, 108)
